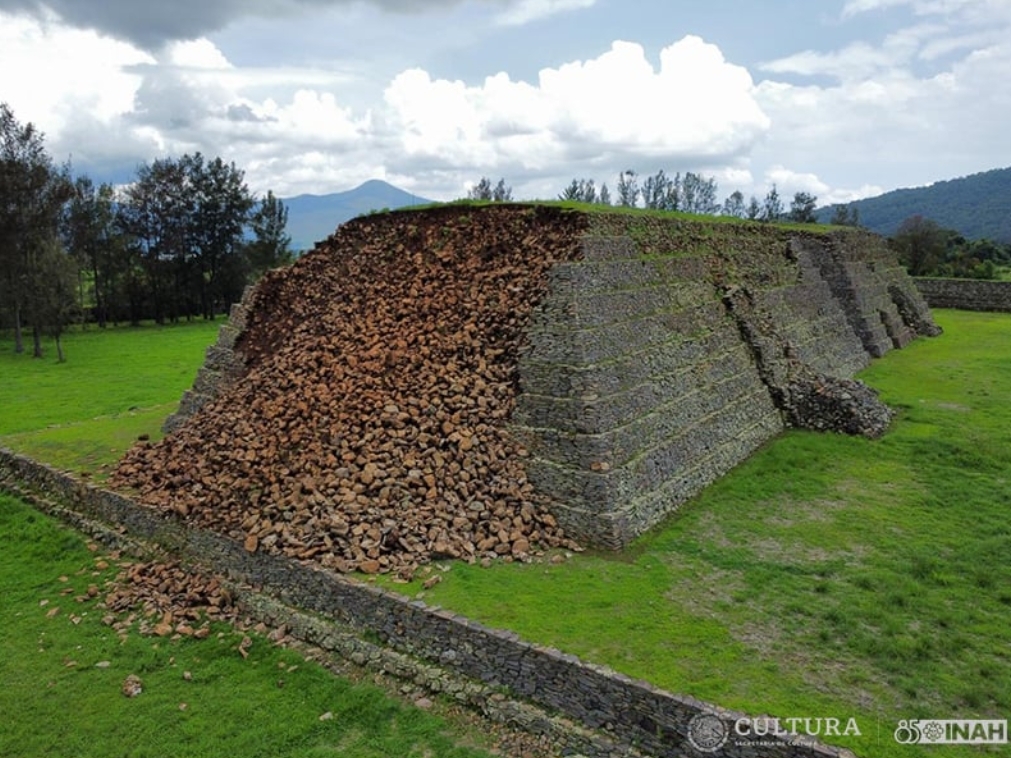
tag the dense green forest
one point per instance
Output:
(976, 206)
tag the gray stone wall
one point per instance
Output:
(222, 365)
(635, 717)
(639, 386)
(966, 294)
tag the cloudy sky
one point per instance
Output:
(842, 98)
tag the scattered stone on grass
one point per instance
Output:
(132, 686)
(165, 599)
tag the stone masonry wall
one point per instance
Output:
(966, 294)
(659, 359)
(670, 350)
(642, 383)
(638, 719)
(222, 365)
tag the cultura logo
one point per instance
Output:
(811, 727)
(707, 732)
(952, 732)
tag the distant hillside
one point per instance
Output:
(976, 206)
(312, 218)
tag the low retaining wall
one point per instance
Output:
(631, 712)
(966, 294)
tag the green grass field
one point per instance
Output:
(117, 384)
(825, 577)
(62, 669)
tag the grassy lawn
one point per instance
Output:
(62, 669)
(825, 577)
(116, 385)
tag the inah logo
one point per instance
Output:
(707, 733)
(952, 732)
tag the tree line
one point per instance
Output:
(926, 248)
(688, 193)
(923, 247)
(181, 241)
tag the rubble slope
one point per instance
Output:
(367, 429)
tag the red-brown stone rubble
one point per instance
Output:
(369, 430)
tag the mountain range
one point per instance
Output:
(975, 206)
(312, 218)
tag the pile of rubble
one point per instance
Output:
(163, 598)
(808, 399)
(825, 403)
(369, 430)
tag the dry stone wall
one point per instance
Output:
(670, 350)
(629, 359)
(966, 294)
(222, 366)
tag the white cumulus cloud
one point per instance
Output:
(695, 106)
(926, 102)
(923, 101)
(293, 131)
(54, 74)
